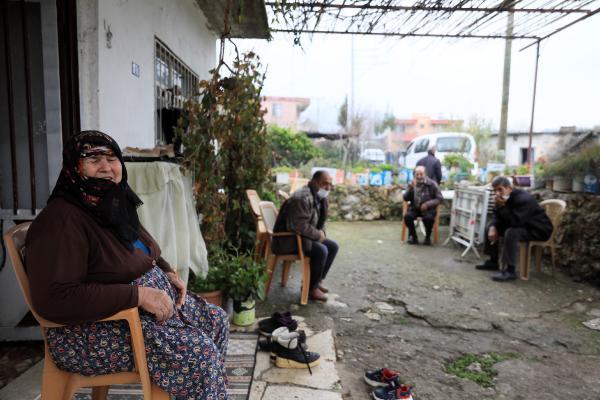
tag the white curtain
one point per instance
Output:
(169, 214)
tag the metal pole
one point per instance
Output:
(505, 86)
(11, 108)
(530, 160)
(29, 108)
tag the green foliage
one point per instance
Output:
(575, 164)
(282, 169)
(522, 170)
(216, 278)
(485, 377)
(289, 147)
(224, 136)
(481, 129)
(330, 150)
(388, 121)
(458, 160)
(246, 277)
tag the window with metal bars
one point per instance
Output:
(174, 83)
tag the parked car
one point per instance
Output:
(445, 142)
(376, 156)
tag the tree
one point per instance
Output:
(481, 130)
(290, 148)
(388, 121)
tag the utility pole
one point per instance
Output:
(506, 86)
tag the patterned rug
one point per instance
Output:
(239, 365)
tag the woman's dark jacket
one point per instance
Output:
(80, 271)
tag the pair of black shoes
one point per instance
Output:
(287, 345)
(289, 349)
(502, 276)
(414, 240)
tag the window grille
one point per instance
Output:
(174, 83)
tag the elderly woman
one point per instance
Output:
(88, 257)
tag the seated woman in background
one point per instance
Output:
(88, 257)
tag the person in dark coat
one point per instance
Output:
(305, 213)
(433, 166)
(424, 196)
(517, 218)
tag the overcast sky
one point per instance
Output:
(443, 78)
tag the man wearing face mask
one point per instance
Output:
(424, 196)
(517, 218)
(305, 213)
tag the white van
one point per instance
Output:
(445, 142)
(376, 156)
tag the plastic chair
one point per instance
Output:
(260, 243)
(269, 213)
(555, 209)
(436, 223)
(283, 195)
(62, 385)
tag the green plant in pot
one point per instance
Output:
(210, 288)
(245, 284)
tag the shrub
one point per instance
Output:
(289, 147)
(458, 160)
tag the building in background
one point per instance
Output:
(284, 111)
(408, 129)
(546, 145)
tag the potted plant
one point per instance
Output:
(245, 284)
(210, 288)
(558, 172)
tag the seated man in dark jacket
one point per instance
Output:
(517, 218)
(433, 166)
(424, 196)
(305, 213)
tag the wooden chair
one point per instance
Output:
(555, 209)
(269, 213)
(436, 223)
(262, 237)
(62, 385)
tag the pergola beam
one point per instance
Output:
(403, 34)
(594, 12)
(434, 8)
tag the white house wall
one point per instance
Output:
(125, 105)
(544, 145)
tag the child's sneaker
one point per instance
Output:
(393, 392)
(381, 377)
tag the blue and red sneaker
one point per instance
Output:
(393, 392)
(382, 377)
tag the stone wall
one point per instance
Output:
(365, 203)
(578, 235)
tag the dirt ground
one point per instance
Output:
(441, 309)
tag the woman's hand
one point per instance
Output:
(180, 286)
(155, 301)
